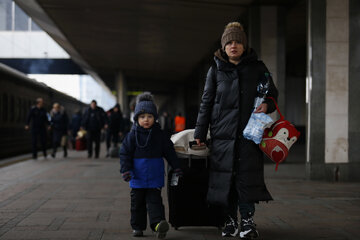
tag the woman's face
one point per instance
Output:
(234, 50)
(56, 107)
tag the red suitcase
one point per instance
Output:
(80, 144)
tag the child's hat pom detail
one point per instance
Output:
(146, 96)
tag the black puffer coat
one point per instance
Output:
(226, 105)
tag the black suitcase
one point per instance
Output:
(187, 200)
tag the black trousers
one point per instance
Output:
(56, 140)
(35, 134)
(146, 200)
(246, 209)
(111, 136)
(93, 136)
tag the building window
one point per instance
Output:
(21, 20)
(34, 26)
(13, 18)
(5, 15)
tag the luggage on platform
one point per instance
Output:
(80, 144)
(187, 200)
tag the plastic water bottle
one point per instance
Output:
(262, 90)
(174, 179)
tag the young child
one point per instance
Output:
(141, 159)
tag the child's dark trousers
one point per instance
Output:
(145, 200)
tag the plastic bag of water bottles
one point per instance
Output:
(256, 125)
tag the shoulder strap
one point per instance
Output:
(281, 116)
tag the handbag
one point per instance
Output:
(278, 139)
(63, 142)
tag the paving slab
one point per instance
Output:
(81, 198)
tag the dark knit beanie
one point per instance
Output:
(145, 104)
(234, 31)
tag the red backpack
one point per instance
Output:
(278, 139)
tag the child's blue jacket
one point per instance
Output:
(142, 153)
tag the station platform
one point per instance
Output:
(81, 198)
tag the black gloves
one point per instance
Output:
(126, 176)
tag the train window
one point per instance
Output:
(5, 107)
(24, 110)
(12, 109)
(17, 109)
(20, 109)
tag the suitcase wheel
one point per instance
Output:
(176, 228)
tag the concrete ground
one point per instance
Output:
(80, 198)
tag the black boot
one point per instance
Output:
(65, 152)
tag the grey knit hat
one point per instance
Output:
(234, 31)
(145, 104)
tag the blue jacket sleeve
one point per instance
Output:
(169, 152)
(127, 153)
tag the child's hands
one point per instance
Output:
(126, 176)
(179, 172)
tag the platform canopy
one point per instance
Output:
(151, 42)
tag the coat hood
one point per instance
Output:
(222, 60)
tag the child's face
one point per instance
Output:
(146, 120)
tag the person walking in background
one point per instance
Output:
(115, 127)
(237, 172)
(93, 121)
(39, 121)
(166, 123)
(179, 123)
(126, 127)
(75, 125)
(141, 160)
(59, 125)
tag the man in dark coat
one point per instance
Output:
(59, 125)
(93, 121)
(39, 120)
(237, 172)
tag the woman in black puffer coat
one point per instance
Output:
(237, 172)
